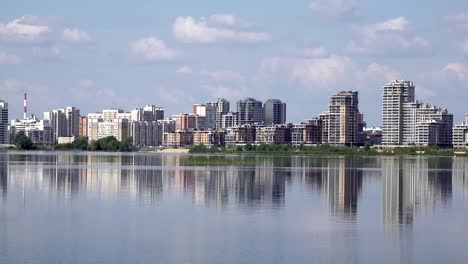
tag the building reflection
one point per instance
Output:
(339, 179)
(3, 176)
(460, 176)
(409, 184)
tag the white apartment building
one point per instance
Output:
(460, 135)
(39, 131)
(395, 95)
(406, 121)
(229, 120)
(4, 135)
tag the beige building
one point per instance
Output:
(182, 138)
(208, 137)
(277, 134)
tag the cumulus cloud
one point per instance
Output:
(152, 49)
(458, 22)
(191, 30)
(391, 37)
(463, 46)
(74, 35)
(8, 58)
(327, 73)
(184, 70)
(223, 75)
(228, 20)
(24, 29)
(315, 52)
(459, 70)
(345, 9)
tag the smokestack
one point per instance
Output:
(25, 105)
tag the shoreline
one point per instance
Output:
(294, 152)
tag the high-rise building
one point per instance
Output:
(153, 113)
(229, 120)
(39, 131)
(145, 133)
(250, 111)
(4, 137)
(83, 126)
(460, 135)
(406, 121)
(64, 122)
(395, 95)
(214, 112)
(343, 123)
(275, 112)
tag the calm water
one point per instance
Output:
(151, 208)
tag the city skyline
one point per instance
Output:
(54, 51)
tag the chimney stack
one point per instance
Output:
(25, 105)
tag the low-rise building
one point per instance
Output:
(308, 133)
(39, 131)
(209, 137)
(276, 134)
(180, 138)
(460, 135)
(241, 135)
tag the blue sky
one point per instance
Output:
(126, 54)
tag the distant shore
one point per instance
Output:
(278, 150)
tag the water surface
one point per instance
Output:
(154, 208)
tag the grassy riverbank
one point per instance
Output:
(326, 149)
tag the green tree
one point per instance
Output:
(80, 143)
(126, 145)
(23, 142)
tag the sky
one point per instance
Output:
(126, 54)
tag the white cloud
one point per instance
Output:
(333, 72)
(227, 20)
(8, 58)
(74, 35)
(23, 29)
(463, 46)
(391, 37)
(86, 83)
(377, 73)
(315, 52)
(189, 30)
(184, 70)
(223, 75)
(323, 71)
(48, 52)
(152, 49)
(347, 9)
(458, 22)
(399, 24)
(459, 70)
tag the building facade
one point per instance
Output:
(395, 95)
(4, 134)
(65, 122)
(274, 112)
(406, 121)
(250, 111)
(145, 133)
(276, 134)
(229, 120)
(460, 135)
(342, 119)
(39, 131)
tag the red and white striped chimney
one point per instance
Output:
(25, 105)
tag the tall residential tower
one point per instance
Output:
(274, 112)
